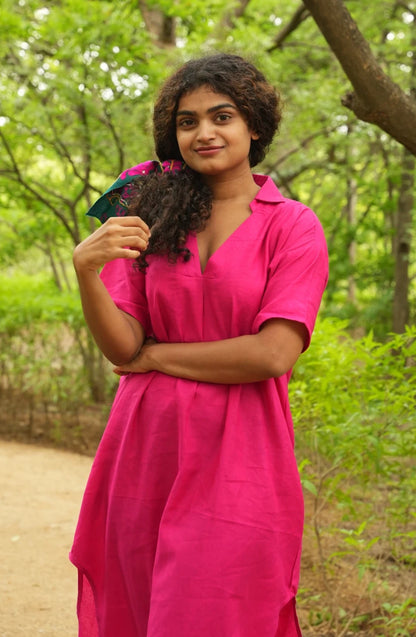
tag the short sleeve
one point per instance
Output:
(297, 274)
(127, 287)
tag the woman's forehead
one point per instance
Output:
(204, 94)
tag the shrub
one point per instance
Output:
(354, 406)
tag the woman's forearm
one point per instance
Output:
(237, 360)
(118, 335)
(245, 359)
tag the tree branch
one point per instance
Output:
(61, 148)
(296, 20)
(407, 8)
(233, 14)
(376, 98)
(304, 143)
(107, 121)
(17, 176)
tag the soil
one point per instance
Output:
(40, 496)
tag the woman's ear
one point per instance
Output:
(254, 135)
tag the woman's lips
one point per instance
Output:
(207, 151)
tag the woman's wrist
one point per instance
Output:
(81, 264)
(153, 356)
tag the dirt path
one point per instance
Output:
(40, 495)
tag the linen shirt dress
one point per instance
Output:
(192, 517)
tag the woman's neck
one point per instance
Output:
(228, 189)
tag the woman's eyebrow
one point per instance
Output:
(210, 110)
(183, 112)
(219, 106)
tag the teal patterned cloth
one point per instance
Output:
(114, 202)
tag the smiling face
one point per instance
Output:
(213, 137)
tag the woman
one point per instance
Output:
(192, 518)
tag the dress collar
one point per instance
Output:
(268, 192)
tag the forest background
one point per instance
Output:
(78, 80)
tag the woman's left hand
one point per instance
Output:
(140, 364)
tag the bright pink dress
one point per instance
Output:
(192, 518)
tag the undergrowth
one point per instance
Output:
(354, 406)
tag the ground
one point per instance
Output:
(40, 496)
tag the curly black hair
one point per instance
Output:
(175, 204)
(172, 205)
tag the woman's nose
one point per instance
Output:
(206, 130)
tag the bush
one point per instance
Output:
(354, 406)
(50, 369)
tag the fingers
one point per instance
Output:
(124, 370)
(118, 237)
(133, 231)
(129, 222)
(119, 372)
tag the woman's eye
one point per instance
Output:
(184, 123)
(223, 117)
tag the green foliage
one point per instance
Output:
(48, 362)
(373, 414)
(75, 85)
(29, 299)
(354, 405)
(78, 81)
(399, 620)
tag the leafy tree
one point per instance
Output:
(78, 80)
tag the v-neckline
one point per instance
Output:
(220, 247)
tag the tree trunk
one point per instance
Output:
(161, 26)
(232, 13)
(351, 208)
(55, 273)
(403, 234)
(376, 98)
(402, 243)
(94, 366)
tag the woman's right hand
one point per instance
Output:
(118, 237)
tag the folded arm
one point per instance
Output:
(268, 354)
